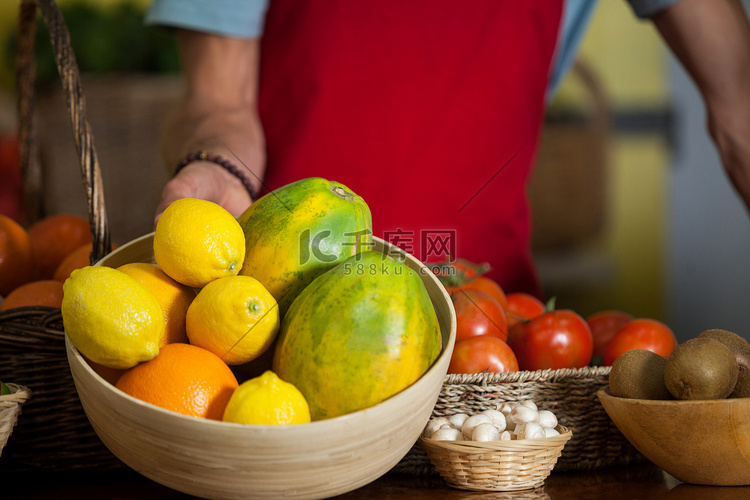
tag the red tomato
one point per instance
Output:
(642, 333)
(458, 271)
(462, 273)
(522, 306)
(555, 339)
(604, 325)
(480, 354)
(477, 313)
(487, 286)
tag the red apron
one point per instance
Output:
(428, 109)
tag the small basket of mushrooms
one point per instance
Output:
(508, 448)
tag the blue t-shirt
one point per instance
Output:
(244, 19)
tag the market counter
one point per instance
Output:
(645, 482)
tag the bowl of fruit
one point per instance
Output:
(286, 353)
(689, 412)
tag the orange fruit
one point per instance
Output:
(16, 266)
(78, 258)
(183, 378)
(35, 293)
(174, 298)
(111, 375)
(53, 238)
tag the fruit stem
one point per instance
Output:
(550, 306)
(342, 193)
(452, 273)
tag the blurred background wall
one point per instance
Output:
(648, 225)
(129, 75)
(620, 266)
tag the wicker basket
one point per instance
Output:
(569, 186)
(569, 393)
(54, 434)
(496, 465)
(10, 409)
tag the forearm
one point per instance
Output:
(217, 113)
(712, 41)
(229, 133)
(218, 110)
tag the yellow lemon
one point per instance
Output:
(197, 241)
(235, 318)
(267, 400)
(174, 298)
(110, 317)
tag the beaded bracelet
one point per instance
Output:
(223, 162)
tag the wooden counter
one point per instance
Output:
(636, 482)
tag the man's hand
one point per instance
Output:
(730, 130)
(206, 181)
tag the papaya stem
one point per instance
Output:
(342, 193)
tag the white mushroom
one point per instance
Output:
(529, 404)
(433, 425)
(505, 436)
(458, 420)
(485, 432)
(497, 418)
(523, 414)
(547, 419)
(447, 434)
(468, 426)
(532, 430)
(549, 432)
(506, 408)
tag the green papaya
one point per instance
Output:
(357, 335)
(297, 232)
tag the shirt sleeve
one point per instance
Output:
(237, 18)
(647, 8)
(576, 17)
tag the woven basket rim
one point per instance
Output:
(528, 376)
(19, 393)
(507, 446)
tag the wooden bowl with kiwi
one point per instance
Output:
(689, 413)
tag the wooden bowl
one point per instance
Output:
(213, 459)
(697, 442)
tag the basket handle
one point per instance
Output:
(84, 140)
(601, 119)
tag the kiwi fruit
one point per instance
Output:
(741, 350)
(701, 368)
(739, 346)
(639, 374)
(742, 387)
